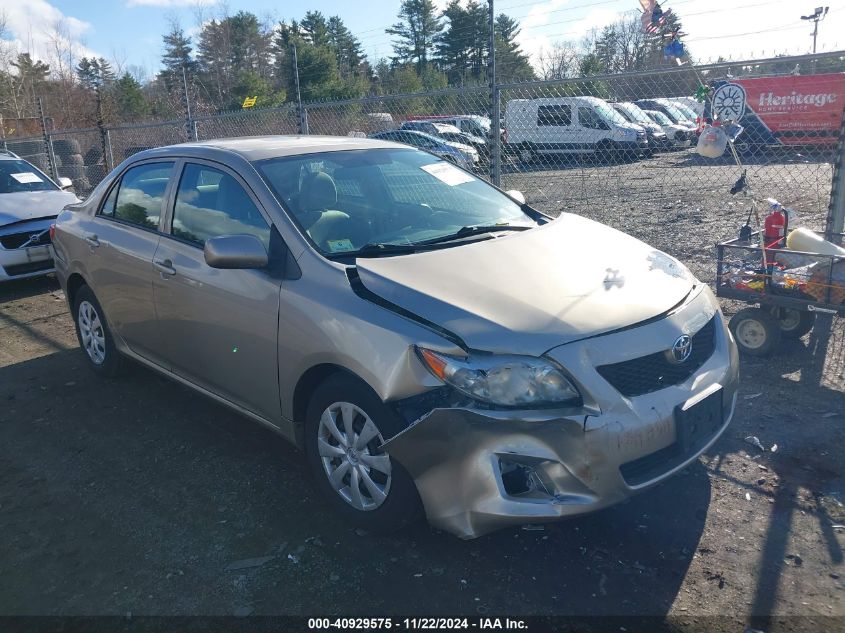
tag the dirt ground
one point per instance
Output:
(137, 496)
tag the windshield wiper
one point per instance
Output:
(478, 229)
(374, 249)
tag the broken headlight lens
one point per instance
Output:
(510, 381)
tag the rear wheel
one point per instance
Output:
(346, 425)
(606, 151)
(793, 323)
(93, 334)
(756, 331)
(527, 155)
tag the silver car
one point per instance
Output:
(434, 345)
(29, 204)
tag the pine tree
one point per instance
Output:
(314, 28)
(176, 57)
(416, 33)
(346, 47)
(511, 63)
(95, 72)
(129, 98)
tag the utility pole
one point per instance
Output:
(190, 130)
(495, 118)
(303, 124)
(817, 16)
(51, 156)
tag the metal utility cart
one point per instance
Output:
(790, 288)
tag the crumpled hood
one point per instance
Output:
(530, 291)
(29, 205)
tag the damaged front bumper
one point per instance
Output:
(479, 470)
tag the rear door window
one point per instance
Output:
(140, 195)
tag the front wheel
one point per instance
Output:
(756, 331)
(94, 335)
(346, 425)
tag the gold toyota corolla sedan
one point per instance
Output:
(433, 344)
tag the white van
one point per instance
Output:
(570, 125)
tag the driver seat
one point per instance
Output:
(317, 199)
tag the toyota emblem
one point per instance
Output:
(681, 349)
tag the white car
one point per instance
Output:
(680, 135)
(29, 204)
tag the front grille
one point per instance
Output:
(647, 374)
(17, 240)
(30, 267)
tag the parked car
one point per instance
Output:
(669, 109)
(693, 104)
(432, 344)
(570, 125)
(449, 133)
(29, 203)
(472, 124)
(680, 135)
(688, 112)
(657, 139)
(458, 153)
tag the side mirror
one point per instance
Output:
(516, 195)
(65, 182)
(235, 251)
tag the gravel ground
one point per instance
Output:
(138, 496)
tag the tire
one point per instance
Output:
(793, 323)
(92, 332)
(27, 148)
(605, 151)
(74, 172)
(756, 331)
(66, 147)
(70, 159)
(93, 156)
(368, 510)
(526, 154)
(39, 160)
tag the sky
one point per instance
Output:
(129, 32)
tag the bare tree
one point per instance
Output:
(558, 62)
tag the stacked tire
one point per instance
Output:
(70, 163)
(33, 151)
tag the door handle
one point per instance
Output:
(164, 267)
(92, 240)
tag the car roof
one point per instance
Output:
(254, 148)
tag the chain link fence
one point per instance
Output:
(619, 148)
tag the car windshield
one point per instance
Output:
(634, 113)
(686, 111)
(673, 113)
(658, 116)
(18, 175)
(359, 201)
(609, 114)
(443, 128)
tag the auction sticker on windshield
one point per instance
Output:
(447, 173)
(27, 177)
(340, 245)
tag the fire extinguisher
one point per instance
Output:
(775, 225)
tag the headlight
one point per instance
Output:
(509, 381)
